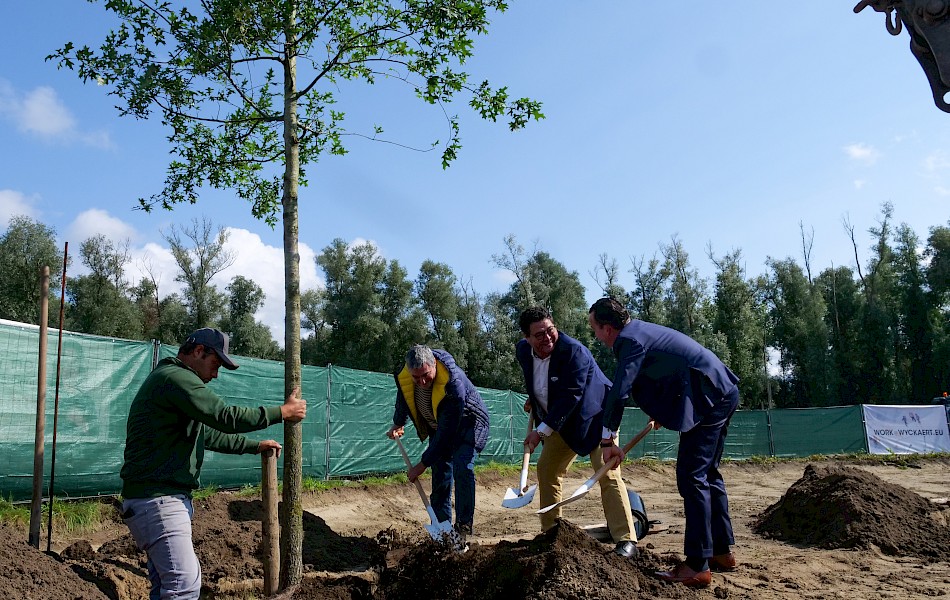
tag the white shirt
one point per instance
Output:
(541, 368)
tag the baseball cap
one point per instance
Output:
(215, 340)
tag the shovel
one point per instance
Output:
(440, 531)
(524, 494)
(587, 485)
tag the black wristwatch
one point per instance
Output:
(607, 445)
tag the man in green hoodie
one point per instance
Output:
(173, 419)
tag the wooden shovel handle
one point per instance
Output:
(422, 493)
(523, 483)
(626, 448)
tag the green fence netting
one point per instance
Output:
(807, 431)
(95, 376)
(348, 414)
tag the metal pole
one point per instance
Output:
(36, 508)
(59, 353)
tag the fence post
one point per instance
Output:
(326, 472)
(156, 345)
(864, 426)
(36, 506)
(270, 527)
(768, 429)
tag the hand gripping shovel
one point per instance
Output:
(586, 487)
(440, 531)
(524, 494)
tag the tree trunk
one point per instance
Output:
(291, 539)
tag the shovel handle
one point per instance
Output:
(626, 448)
(527, 457)
(422, 493)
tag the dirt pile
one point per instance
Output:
(226, 531)
(28, 574)
(847, 507)
(563, 563)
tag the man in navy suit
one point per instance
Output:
(566, 391)
(684, 387)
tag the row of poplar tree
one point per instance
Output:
(877, 332)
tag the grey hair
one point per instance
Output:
(419, 356)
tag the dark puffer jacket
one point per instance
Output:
(460, 412)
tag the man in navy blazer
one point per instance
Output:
(566, 391)
(684, 387)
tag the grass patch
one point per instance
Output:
(503, 469)
(248, 491)
(69, 517)
(205, 492)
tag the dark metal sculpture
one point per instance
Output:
(928, 23)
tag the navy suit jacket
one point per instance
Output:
(671, 376)
(576, 391)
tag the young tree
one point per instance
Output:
(916, 312)
(796, 315)
(740, 318)
(100, 301)
(879, 321)
(845, 305)
(542, 280)
(200, 256)
(224, 77)
(26, 247)
(937, 255)
(649, 289)
(686, 295)
(435, 287)
(249, 337)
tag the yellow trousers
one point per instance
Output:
(556, 458)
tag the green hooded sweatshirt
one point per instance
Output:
(173, 419)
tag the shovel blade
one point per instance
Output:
(444, 533)
(577, 495)
(516, 499)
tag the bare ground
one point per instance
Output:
(844, 530)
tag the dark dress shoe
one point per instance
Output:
(681, 573)
(723, 562)
(627, 549)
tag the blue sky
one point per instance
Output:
(720, 124)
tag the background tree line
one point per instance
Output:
(876, 333)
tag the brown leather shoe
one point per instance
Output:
(723, 562)
(681, 573)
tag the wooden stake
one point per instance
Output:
(36, 508)
(270, 526)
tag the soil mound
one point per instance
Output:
(226, 531)
(563, 563)
(847, 507)
(25, 572)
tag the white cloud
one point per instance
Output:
(264, 265)
(40, 112)
(862, 153)
(14, 203)
(153, 261)
(504, 277)
(942, 191)
(255, 260)
(937, 162)
(859, 183)
(95, 221)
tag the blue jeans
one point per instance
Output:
(708, 525)
(162, 528)
(460, 468)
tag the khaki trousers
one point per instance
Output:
(556, 457)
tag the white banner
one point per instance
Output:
(906, 429)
